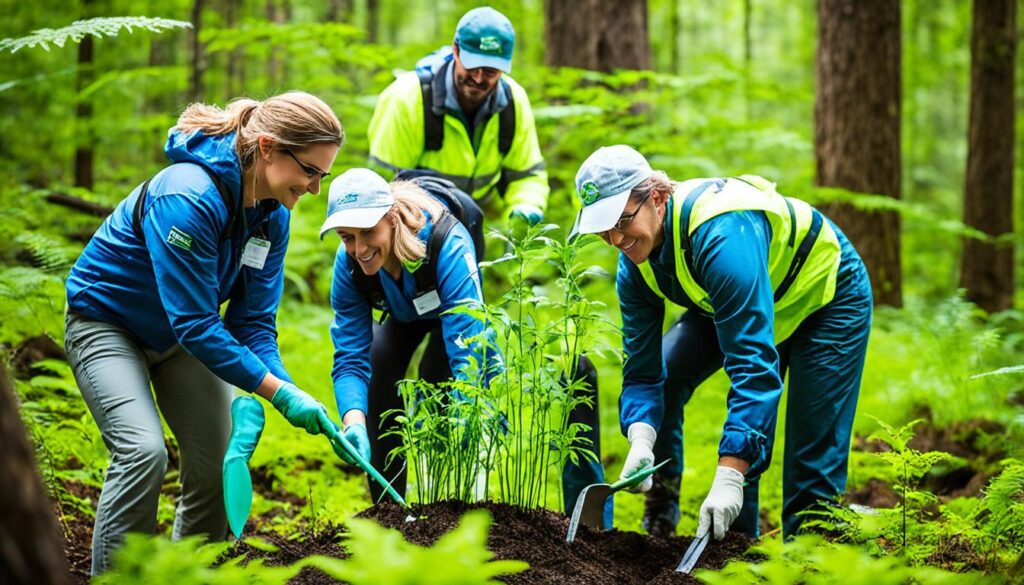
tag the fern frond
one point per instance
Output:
(97, 27)
(48, 253)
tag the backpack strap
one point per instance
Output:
(426, 275)
(369, 287)
(507, 123)
(234, 211)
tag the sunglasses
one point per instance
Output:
(310, 170)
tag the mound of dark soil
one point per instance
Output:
(538, 537)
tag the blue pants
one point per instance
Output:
(824, 358)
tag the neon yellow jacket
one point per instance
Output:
(397, 143)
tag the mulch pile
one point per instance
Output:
(538, 537)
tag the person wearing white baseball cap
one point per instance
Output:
(771, 286)
(404, 252)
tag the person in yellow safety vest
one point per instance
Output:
(461, 116)
(771, 286)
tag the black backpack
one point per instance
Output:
(460, 208)
(433, 122)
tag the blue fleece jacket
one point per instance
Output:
(169, 288)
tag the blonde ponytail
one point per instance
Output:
(410, 203)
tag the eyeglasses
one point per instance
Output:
(310, 170)
(625, 218)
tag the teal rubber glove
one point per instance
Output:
(355, 434)
(527, 213)
(301, 409)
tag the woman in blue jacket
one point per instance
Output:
(385, 231)
(144, 306)
(771, 287)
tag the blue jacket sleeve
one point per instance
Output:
(182, 233)
(468, 341)
(252, 318)
(731, 257)
(643, 316)
(352, 333)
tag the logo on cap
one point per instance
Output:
(589, 192)
(490, 45)
(344, 200)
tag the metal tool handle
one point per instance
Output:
(637, 477)
(335, 435)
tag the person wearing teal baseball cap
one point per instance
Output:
(403, 251)
(462, 117)
(771, 287)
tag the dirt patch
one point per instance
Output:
(876, 494)
(78, 533)
(538, 537)
(324, 542)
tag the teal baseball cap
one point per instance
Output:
(485, 38)
(603, 184)
(358, 198)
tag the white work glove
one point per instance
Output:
(641, 454)
(723, 504)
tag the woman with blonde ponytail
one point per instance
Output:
(144, 305)
(385, 262)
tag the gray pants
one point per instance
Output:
(114, 370)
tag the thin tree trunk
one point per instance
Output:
(857, 128)
(84, 154)
(31, 548)
(338, 10)
(236, 55)
(986, 268)
(613, 35)
(198, 60)
(372, 20)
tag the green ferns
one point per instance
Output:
(97, 27)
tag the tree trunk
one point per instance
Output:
(613, 35)
(857, 128)
(83, 109)
(276, 12)
(195, 86)
(236, 55)
(372, 20)
(31, 548)
(338, 10)
(986, 268)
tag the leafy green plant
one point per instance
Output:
(457, 558)
(456, 436)
(98, 27)
(158, 560)
(811, 560)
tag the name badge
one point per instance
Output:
(427, 302)
(255, 253)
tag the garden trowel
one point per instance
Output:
(589, 509)
(247, 422)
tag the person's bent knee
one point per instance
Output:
(148, 456)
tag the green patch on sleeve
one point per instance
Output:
(180, 239)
